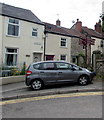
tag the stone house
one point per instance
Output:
(91, 40)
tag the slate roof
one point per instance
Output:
(54, 29)
(19, 13)
(50, 28)
(75, 33)
(92, 32)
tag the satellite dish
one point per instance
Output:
(73, 21)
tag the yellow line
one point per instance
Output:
(51, 97)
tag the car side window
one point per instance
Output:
(63, 66)
(36, 66)
(76, 67)
(48, 66)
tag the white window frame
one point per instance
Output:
(15, 24)
(34, 30)
(11, 53)
(65, 57)
(63, 40)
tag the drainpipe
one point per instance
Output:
(86, 51)
(44, 47)
(44, 54)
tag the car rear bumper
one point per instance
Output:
(27, 82)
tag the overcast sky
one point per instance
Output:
(87, 11)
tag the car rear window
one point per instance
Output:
(36, 66)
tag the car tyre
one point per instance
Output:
(36, 84)
(83, 80)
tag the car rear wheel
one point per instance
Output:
(83, 80)
(37, 85)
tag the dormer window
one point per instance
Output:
(13, 27)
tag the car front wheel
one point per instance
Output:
(83, 80)
(36, 84)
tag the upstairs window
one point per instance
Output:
(13, 27)
(63, 42)
(34, 32)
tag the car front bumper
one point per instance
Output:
(92, 74)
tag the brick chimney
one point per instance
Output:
(78, 25)
(98, 27)
(58, 22)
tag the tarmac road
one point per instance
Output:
(73, 105)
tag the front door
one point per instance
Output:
(37, 57)
(49, 57)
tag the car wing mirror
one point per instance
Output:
(73, 69)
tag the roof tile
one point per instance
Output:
(19, 13)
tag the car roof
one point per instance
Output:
(51, 62)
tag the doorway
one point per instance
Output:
(37, 57)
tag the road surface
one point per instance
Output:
(73, 105)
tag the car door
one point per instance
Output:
(48, 73)
(65, 72)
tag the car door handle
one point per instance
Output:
(60, 72)
(41, 72)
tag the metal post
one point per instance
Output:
(44, 47)
(86, 50)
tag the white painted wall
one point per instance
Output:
(25, 43)
(0, 40)
(53, 46)
(103, 7)
(96, 46)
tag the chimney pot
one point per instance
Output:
(98, 27)
(77, 20)
(58, 22)
(78, 25)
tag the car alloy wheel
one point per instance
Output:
(36, 85)
(83, 80)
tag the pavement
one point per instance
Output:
(20, 90)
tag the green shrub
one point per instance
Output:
(23, 71)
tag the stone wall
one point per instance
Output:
(11, 79)
(78, 50)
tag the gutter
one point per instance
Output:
(23, 19)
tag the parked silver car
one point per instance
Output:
(56, 72)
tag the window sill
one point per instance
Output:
(64, 47)
(12, 36)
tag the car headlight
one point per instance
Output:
(87, 70)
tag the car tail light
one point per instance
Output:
(28, 73)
